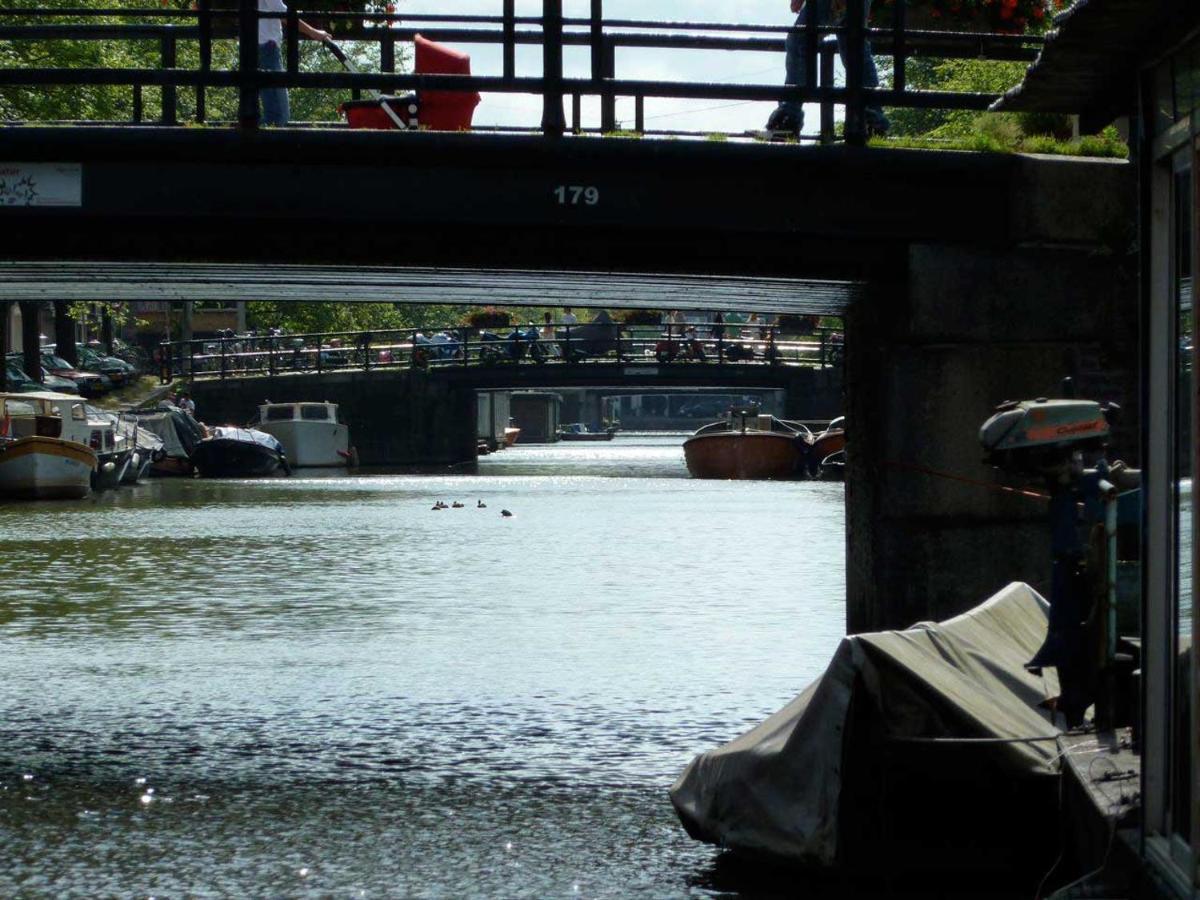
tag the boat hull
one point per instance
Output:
(111, 469)
(311, 444)
(511, 435)
(585, 436)
(45, 468)
(743, 455)
(229, 458)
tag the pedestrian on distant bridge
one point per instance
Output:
(273, 101)
(788, 118)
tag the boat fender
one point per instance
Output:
(109, 466)
(287, 469)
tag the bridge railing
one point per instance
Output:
(606, 40)
(589, 344)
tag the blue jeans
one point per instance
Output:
(796, 55)
(272, 102)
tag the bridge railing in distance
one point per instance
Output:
(186, 40)
(592, 344)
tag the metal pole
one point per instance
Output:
(827, 51)
(900, 46)
(597, 39)
(856, 36)
(510, 40)
(205, 9)
(553, 121)
(248, 63)
(169, 92)
(608, 100)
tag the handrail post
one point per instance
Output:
(812, 40)
(856, 37)
(222, 359)
(608, 100)
(827, 51)
(191, 359)
(292, 39)
(248, 63)
(205, 20)
(596, 44)
(320, 361)
(510, 40)
(270, 356)
(465, 334)
(169, 91)
(387, 50)
(553, 121)
(366, 351)
(900, 46)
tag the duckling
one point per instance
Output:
(506, 513)
(456, 505)
(479, 504)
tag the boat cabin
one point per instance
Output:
(74, 422)
(27, 415)
(298, 412)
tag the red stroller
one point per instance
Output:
(435, 110)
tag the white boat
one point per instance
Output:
(310, 432)
(93, 428)
(36, 461)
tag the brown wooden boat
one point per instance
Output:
(747, 445)
(831, 440)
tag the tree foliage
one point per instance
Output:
(115, 103)
(307, 318)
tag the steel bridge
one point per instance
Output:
(584, 355)
(148, 209)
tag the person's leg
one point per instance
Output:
(273, 102)
(795, 55)
(876, 120)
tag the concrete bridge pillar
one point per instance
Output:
(929, 356)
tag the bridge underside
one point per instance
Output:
(101, 281)
(284, 197)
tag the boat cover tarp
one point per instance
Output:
(776, 789)
(247, 436)
(179, 432)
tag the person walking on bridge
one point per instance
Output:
(273, 101)
(788, 118)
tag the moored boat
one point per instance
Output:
(231, 452)
(826, 444)
(179, 433)
(578, 431)
(36, 462)
(747, 445)
(310, 433)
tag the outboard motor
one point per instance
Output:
(1061, 445)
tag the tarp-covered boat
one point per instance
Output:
(231, 452)
(179, 433)
(926, 749)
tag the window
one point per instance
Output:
(315, 412)
(279, 413)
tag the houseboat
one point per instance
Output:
(36, 461)
(578, 431)
(310, 433)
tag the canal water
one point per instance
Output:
(318, 686)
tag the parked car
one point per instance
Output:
(91, 384)
(116, 370)
(19, 380)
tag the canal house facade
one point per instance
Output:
(1139, 63)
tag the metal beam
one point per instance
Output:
(92, 281)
